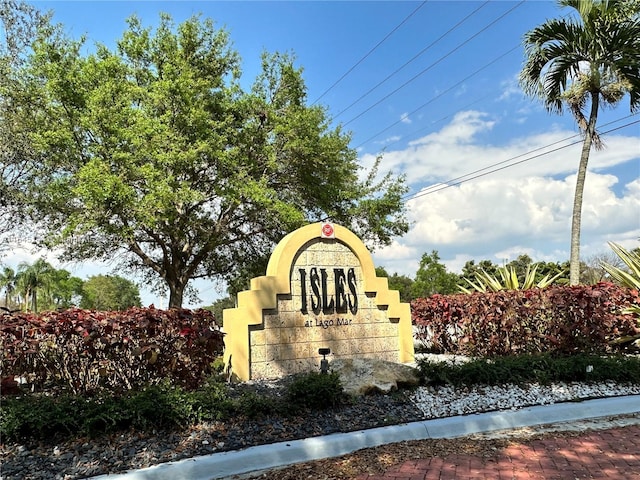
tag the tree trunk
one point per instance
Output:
(176, 292)
(576, 219)
(27, 299)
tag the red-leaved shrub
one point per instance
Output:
(86, 351)
(560, 319)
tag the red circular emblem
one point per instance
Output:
(327, 229)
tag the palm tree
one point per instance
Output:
(31, 278)
(583, 63)
(8, 283)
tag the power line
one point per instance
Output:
(411, 60)
(471, 176)
(370, 52)
(439, 96)
(436, 62)
(452, 87)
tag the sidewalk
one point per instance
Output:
(613, 453)
(267, 457)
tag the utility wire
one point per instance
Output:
(435, 98)
(451, 52)
(370, 52)
(461, 177)
(452, 87)
(411, 60)
(455, 183)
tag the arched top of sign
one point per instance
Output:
(283, 256)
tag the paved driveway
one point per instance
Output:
(612, 453)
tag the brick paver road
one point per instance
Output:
(604, 454)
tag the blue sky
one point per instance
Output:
(442, 101)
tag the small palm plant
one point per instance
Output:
(485, 282)
(628, 278)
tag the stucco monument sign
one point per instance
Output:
(320, 291)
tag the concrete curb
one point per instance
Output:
(264, 457)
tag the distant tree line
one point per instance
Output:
(39, 287)
(433, 277)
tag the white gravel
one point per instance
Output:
(436, 402)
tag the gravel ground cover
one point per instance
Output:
(86, 457)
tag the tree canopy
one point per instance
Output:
(432, 277)
(109, 292)
(38, 286)
(19, 24)
(151, 154)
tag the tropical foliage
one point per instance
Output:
(486, 282)
(7, 283)
(584, 62)
(629, 277)
(39, 286)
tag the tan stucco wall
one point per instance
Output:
(269, 335)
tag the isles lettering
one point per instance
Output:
(346, 292)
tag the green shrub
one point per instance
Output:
(253, 405)
(542, 368)
(160, 406)
(211, 401)
(155, 407)
(315, 391)
(39, 417)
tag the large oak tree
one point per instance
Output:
(158, 158)
(19, 24)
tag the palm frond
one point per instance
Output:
(630, 278)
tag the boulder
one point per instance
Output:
(362, 376)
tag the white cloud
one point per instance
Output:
(388, 140)
(525, 209)
(404, 118)
(510, 88)
(457, 152)
(396, 251)
(462, 129)
(500, 219)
